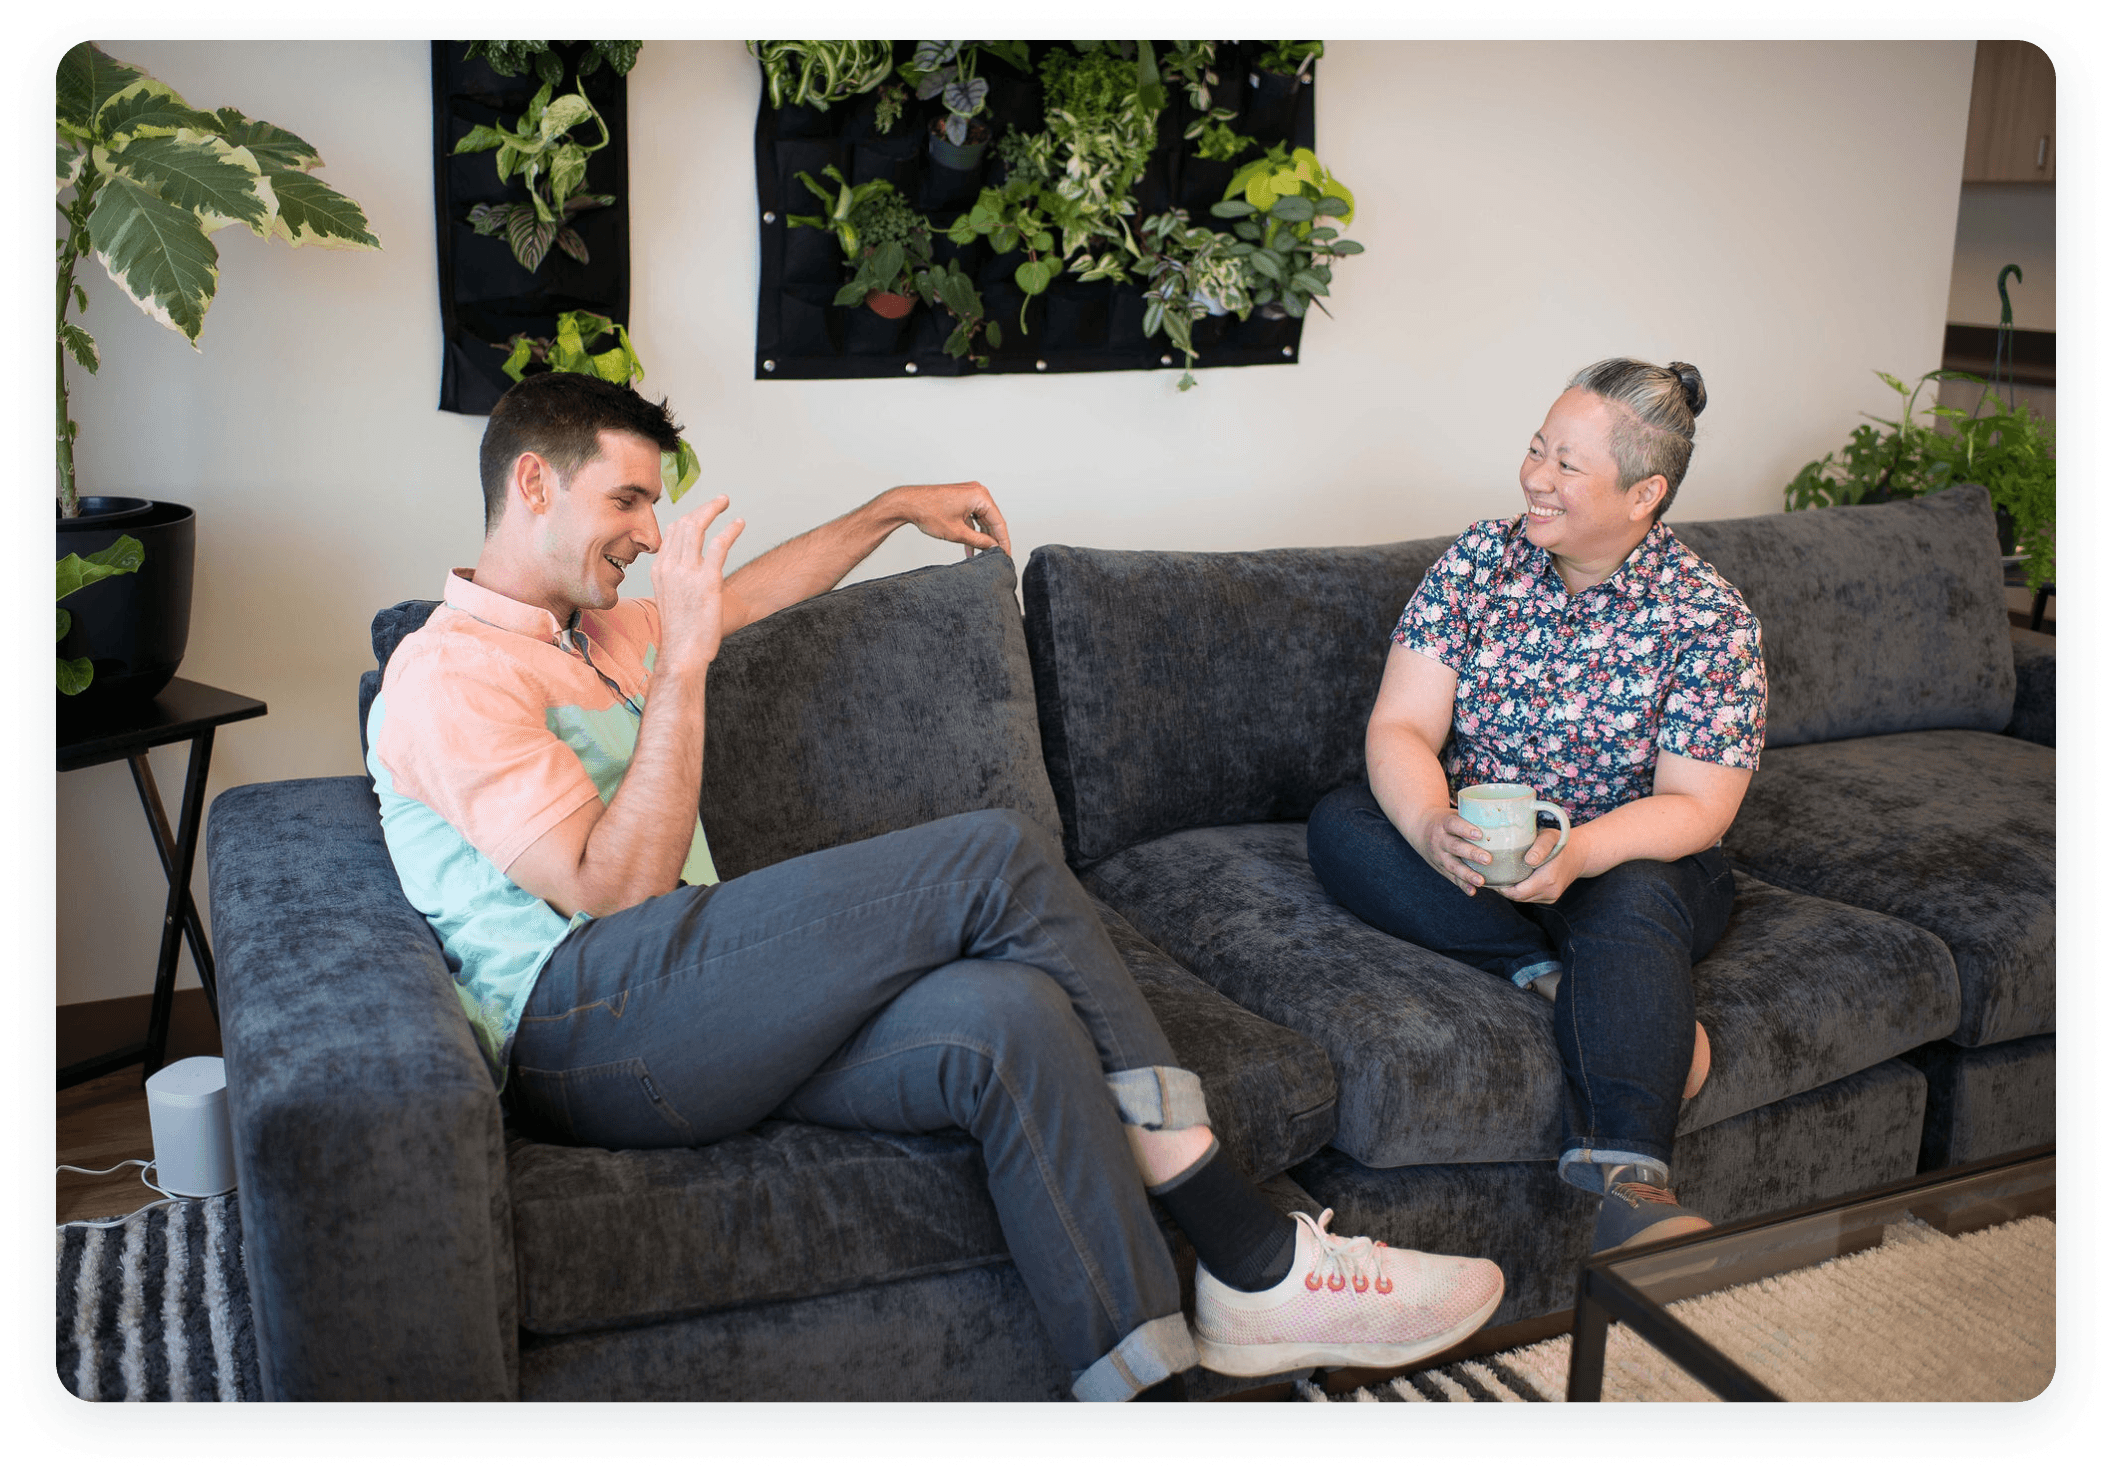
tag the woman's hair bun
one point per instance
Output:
(1690, 385)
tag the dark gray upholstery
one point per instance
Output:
(2032, 718)
(1186, 689)
(388, 630)
(376, 1224)
(1887, 618)
(870, 709)
(1436, 1062)
(1842, 1137)
(1913, 824)
(1987, 1101)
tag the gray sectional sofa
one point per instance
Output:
(1882, 1002)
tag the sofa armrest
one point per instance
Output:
(369, 1151)
(2032, 718)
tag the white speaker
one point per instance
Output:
(194, 1152)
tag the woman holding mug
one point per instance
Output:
(1583, 650)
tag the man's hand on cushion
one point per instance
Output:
(961, 512)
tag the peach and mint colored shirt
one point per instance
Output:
(493, 725)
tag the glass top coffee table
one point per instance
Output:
(1637, 1287)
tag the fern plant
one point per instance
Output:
(151, 178)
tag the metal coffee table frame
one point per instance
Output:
(1635, 1285)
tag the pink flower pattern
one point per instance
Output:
(1576, 694)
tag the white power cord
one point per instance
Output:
(129, 1162)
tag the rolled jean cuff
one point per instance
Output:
(1151, 1354)
(1160, 1098)
(1579, 1166)
(1524, 976)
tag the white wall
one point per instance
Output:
(1781, 214)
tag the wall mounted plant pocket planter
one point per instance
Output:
(485, 226)
(1039, 239)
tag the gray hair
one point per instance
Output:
(1654, 433)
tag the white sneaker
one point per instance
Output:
(1346, 1303)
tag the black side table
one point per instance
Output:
(184, 710)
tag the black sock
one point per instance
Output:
(1166, 1390)
(1240, 1238)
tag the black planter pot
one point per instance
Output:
(134, 626)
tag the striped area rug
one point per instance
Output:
(157, 1310)
(1922, 1317)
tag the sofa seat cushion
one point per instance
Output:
(786, 1211)
(1949, 830)
(1436, 1062)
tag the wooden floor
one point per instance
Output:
(103, 1122)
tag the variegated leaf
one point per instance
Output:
(71, 157)
(570, 242)
(272, 146)
(148, 112)
(156, 252)
(80, 345)
(210, 182)
(563, 115)
(310, 213)
(89, 77)
(530, 238)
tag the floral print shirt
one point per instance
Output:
(1576, 694)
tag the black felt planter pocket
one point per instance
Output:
(1272, 104)
(1079, 314)
(866, 332)
(1203, 184)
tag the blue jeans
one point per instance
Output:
(1626, 942)
(953, 975)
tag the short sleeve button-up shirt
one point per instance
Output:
(1576, 694)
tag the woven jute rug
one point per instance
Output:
(1922, 1317)
(156, 1309)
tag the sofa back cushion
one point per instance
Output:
(1885, 618)
(872, 708)
(1187, 689)
(867, 709)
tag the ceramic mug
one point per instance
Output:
(1507, 816)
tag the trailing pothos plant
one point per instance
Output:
(571, 352)
(151, 178)
(77, 571)
(2008, 451)
(544, 149)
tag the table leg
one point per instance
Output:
(172, 921)
(1587, 1348)
(165, 848)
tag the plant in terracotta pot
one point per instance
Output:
(884, 240)
(144, 180)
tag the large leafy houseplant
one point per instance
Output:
(2007, 450)
(817, 73)
(571, 351)
(151, 179)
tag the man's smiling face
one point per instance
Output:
(601, 520)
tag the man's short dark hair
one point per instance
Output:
(560, 417)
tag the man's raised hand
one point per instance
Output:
(689, 580)
(961, 512)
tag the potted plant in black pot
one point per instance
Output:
(144, 179)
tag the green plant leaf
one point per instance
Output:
(480, 138)
(1231, 209)
(529, 237)
(270, 145)
(1348, 248)
(1268, 263)
(148, 112)
(572, 244)
(849, 294)
(80, 345)
(1332, 204)
(1292, 207)
(678, 469)
(199, 178)
(156, 252)
(76, 571)
(65, 622)
(75, 676)
(516, 365)
(311, 213)
(88, 78)
(995, 336)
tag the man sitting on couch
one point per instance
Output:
(538, 752)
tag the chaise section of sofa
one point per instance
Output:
(1194, 707)
(409, 1241)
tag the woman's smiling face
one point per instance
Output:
(1575, 507)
